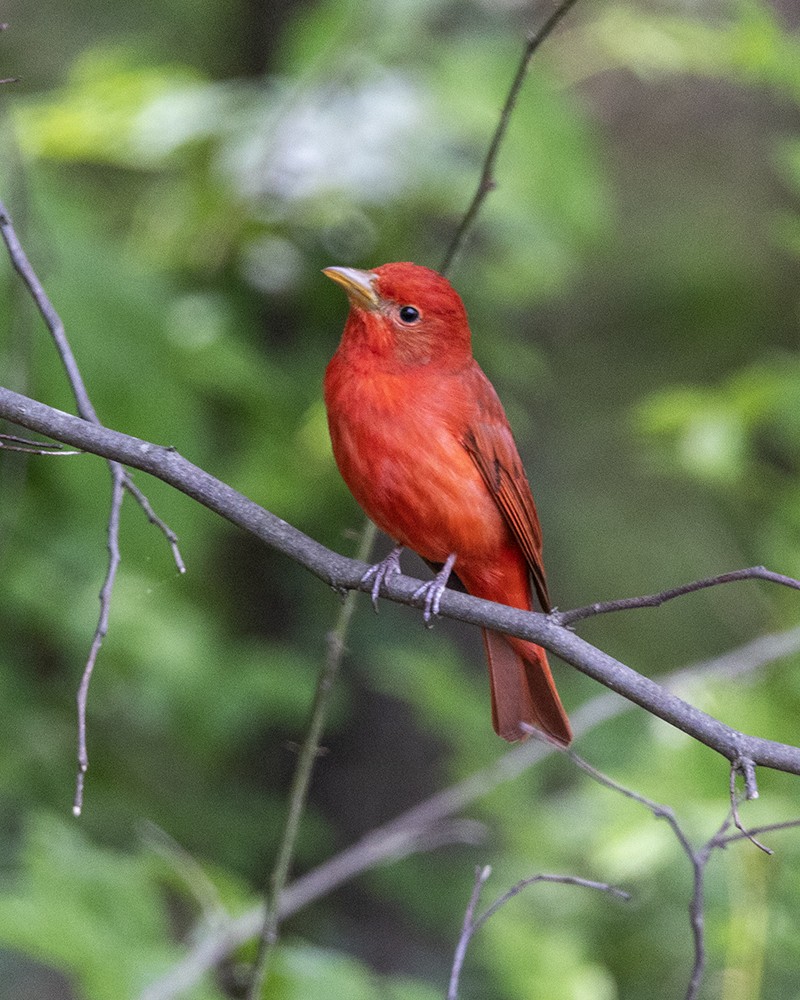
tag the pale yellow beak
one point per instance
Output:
(359, 285)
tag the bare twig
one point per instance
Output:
(722, 840)
(429, 822)
(515, 890)
(734, 796)
(156, 521)
(119, 477)
(467, 929)
(302, 778)
(567, 618)
(99, 633)
(12, 442)
(473, 924)
(487, 182)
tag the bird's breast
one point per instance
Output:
(397, 440)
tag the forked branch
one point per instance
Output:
(472, 924)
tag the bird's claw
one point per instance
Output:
(386, 568)
(433, 590)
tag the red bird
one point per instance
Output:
(423, 443)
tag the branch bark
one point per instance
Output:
(343, 574)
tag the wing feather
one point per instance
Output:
(491, 445)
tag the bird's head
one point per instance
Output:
(406, 313)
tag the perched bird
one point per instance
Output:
(423, 443)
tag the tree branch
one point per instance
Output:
(568, 618)
(343, 574)
(487, 182)
(117, 492)
(481, 877)
(11, 442)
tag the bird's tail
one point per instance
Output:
(523, 690)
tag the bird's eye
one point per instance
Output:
(408, 314)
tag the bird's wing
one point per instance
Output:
(491, 445)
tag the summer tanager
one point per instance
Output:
(423, 443)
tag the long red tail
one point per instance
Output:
(523, 690)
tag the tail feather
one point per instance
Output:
(523, 690)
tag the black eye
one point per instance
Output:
(408, 314)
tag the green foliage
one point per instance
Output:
(632, 288)
(95, 913)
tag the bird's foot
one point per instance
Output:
(433, 590)
(386, 568)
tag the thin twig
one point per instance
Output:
(302, 778)
(487, 182)
(736, 769)
(473, 924)
(156, 521)
(119, 476)
(100, 632)
(568, 618)
(467, 929)
(731, 838)
(12, 442)
(658, 810)
(52, 320)
(515, 890)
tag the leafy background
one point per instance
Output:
(179, 175)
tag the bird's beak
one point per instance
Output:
(359, 285)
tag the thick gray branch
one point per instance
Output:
(345, 574)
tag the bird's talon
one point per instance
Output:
(388, 567)
(431, 605)
(433, 590)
